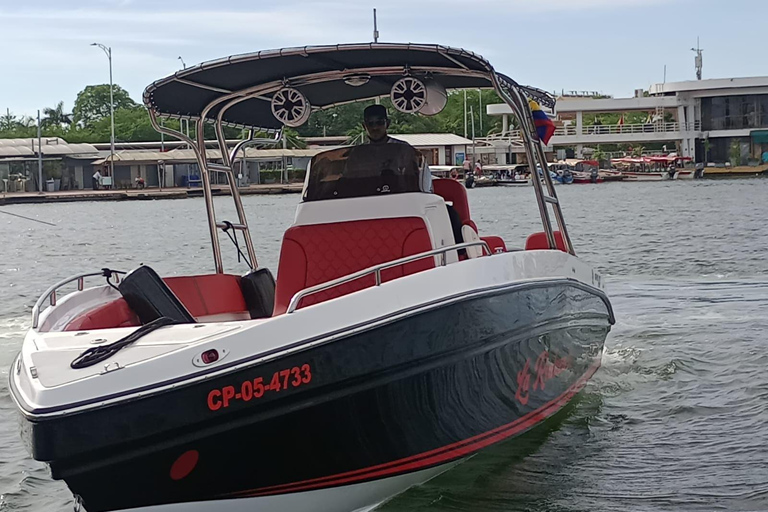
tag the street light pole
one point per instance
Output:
(108, 51)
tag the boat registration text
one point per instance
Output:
(254, 389)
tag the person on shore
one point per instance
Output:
(478, 168)
(96, 180)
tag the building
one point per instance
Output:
(437, 148)
(70, 166)
(716, 121)
(67, 165)
(179, 168)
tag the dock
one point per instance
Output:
(151, 194)
(735, 172)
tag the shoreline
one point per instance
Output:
(71, 196)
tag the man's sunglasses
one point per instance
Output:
(375, 122)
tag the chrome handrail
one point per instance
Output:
(50, 293)
(376, 269)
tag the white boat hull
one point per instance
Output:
(361, 497)
(657, 176)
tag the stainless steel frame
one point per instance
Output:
(376, 270)
(512, 93)
(51, 295)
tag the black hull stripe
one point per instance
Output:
(142, 392)
(435, 457)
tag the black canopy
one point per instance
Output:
(322, 73)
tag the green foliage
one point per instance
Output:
(56, 116)
(292, 140)
(707, 146)
(599, 155)
(92, 104)
(90, 120)
(347, 119)
(609, 119)
(735, 153)
(637, 151)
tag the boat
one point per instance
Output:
(654, 168)
(512, 175)
(611, 175)
(388, 349)
(455, 172)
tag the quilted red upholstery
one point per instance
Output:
(206, 295)
(455, 192)
(116, 313)
(319, 253)
(538, 241)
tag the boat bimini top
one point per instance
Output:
(268, 90)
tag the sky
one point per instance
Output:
(610, 46)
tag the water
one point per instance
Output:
(675, 419)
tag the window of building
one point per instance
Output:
(734, 112)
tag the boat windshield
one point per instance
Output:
(360, 171)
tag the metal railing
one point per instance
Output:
(514, 136)
(51, 295)
(376, 270)
(628, 129)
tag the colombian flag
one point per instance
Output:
(545, 128)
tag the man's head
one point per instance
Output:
(376, 122)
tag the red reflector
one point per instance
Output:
(184, 465)
(210, 356)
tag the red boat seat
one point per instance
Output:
(495, 243)
(113, 314)
(456, 193)
(212, 297)
(538, 241)
(318, 253)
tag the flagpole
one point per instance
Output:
(465, 113)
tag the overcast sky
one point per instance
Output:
(613, 46)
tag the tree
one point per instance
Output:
(599, 155)
(92, 104)
(56, 116)
(8, 121)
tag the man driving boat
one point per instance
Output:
(376, 123)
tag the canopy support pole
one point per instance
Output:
(535, 153)
(201, 162)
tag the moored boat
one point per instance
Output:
(512, 175)
(395, 342)
(654, 168)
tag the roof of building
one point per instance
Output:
(51, 146)
(188, 155)
(709, 84)
(57, 147)
(432, 139)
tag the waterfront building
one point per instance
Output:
(717, 121)
(70, 166)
